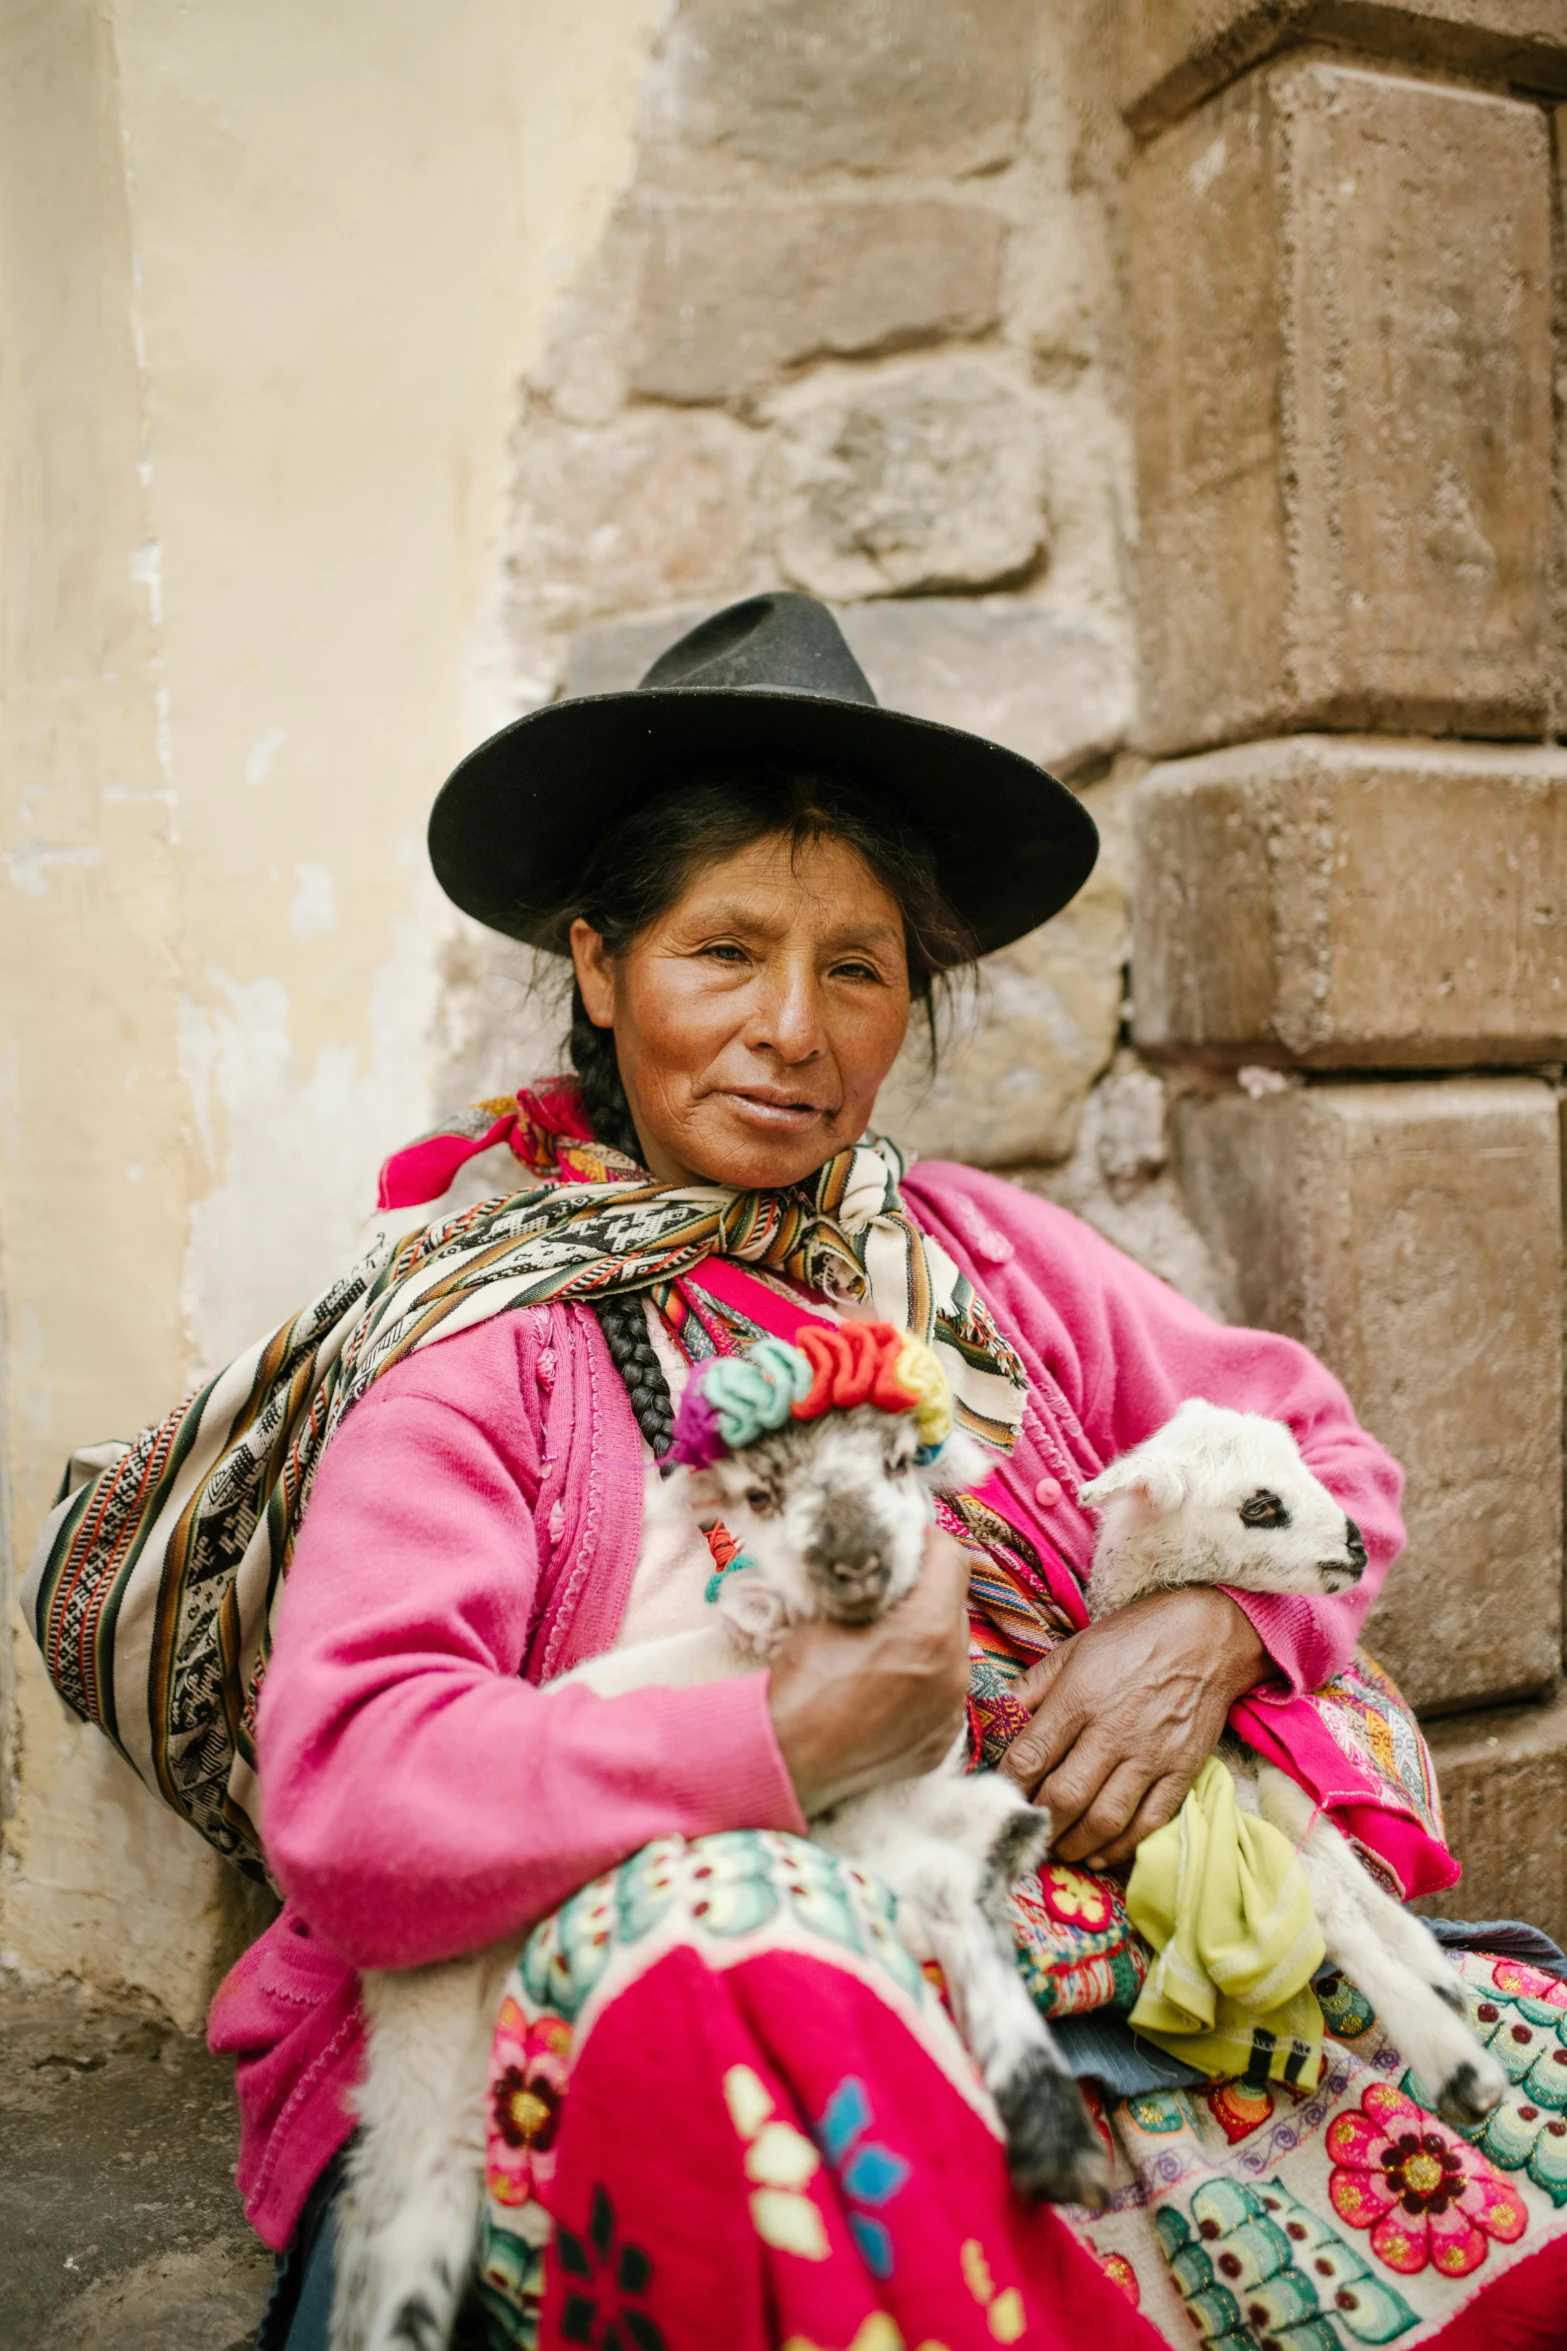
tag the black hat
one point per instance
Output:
(767, 682)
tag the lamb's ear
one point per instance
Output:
(1160, 1482)
(753, 1607)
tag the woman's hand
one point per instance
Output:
(855, 1706)
(1126, 1713)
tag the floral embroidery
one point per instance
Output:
(1257, 2263)
(1076, 1946)
(1004, 2312)
(1121, 2273)
(528, 2069)
(1239, 2108)
(779, 2162)
(1346, 2012)
(869, 2174)
(1076, 1898)
(1423, 2192)
(1160, 2111)
(602, 2282)
(1525, 2026)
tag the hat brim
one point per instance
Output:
(515, 823)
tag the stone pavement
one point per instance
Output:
(120, 2229)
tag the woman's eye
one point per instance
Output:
(758, 1499)
(855, 971)
(725, 951)
(1264, 1510)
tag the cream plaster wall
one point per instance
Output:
(268, 273)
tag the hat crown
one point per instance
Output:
(774, 644)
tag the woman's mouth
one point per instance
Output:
(776, 1113)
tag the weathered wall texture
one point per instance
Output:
(1347, 311)
(1140, 382)
(261, 326)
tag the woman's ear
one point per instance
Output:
(595, 971)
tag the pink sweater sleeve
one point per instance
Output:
(419, 1798)
(1123, 1349)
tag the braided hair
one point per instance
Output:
(641, 868)
(623, 1320)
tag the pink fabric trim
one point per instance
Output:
(425, 1171)
(1289, 1732)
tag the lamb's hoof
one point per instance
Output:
(1054, 2153)
(1469, 2093)
(1450, 1992)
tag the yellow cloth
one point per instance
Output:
(1225, 1903)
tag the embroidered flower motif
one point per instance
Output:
(1520, 2015)
(780, 2162)
(528, 2068)
(1077, 1899)
(1424, 2194)
(869, 2174)
(603, 2281)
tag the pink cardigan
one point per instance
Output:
(473, 1533)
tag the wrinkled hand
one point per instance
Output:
(856, 1706)
(1126, 1713)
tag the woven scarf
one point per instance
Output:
(598, 1225)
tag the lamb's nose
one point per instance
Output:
(853, 1571)
(1355, 1546)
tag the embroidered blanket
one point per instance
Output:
(719, 2084)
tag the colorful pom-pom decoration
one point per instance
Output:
(731, 1400)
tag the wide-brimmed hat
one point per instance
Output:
(770, 682)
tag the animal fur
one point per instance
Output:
(835, 1512)
(1222, 1497)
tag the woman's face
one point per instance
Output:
(756, 1019)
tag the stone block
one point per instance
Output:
(1410, 1235)
(1054, 689)
(1012, 1079)
(1175, 53)
(852, 85)
(1503, 1777)
(650, 509)
(922, 475)
(1348, 903)
(1340, 294)
(732, 297)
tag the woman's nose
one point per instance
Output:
(788, 1019)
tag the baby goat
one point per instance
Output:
(1221, 1497)
(831, 1507)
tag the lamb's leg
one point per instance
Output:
(407, 2218)
(950, 1849)
(1391, 1955)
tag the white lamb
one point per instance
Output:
(834, 1512)
(1222, 1497)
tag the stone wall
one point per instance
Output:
(1348, 315)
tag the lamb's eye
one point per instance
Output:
(757, 1498)
(1264, 1510)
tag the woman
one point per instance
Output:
(743, 2111)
